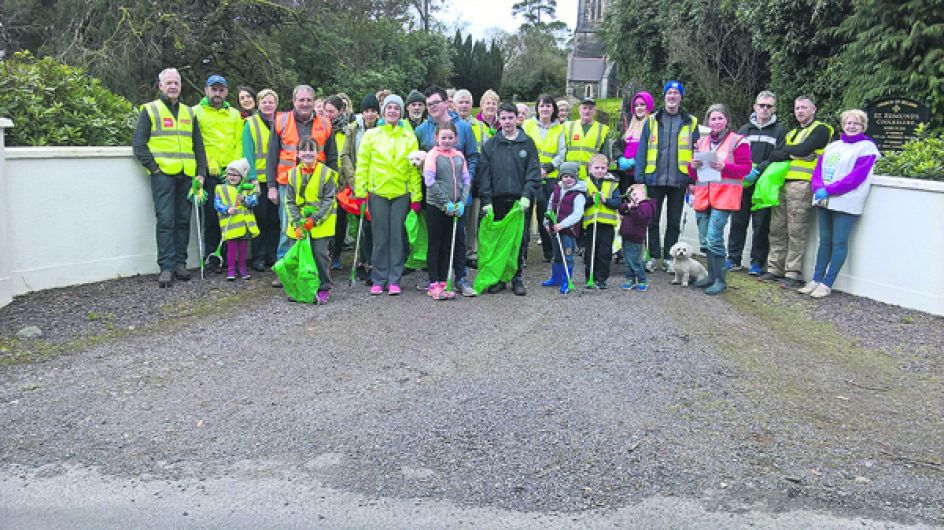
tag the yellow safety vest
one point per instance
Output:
(685, 145)
(604, 215)
(308, 191)
(803, 169)
(581, 148)
(260, 139)
(480, 130)
(547, 146)
(235, 226)
(171, 141)
(339, 140)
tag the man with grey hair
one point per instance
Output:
(300, 122)
(765, 134)
(167, 142)
(790, 219)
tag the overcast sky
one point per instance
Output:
(482, 15)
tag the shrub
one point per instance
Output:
(51, 103)
(921, 158)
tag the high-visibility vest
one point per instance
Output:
(580, 147)
(723, 195)
(288, 132)
(308, 192)
(684, 145)
(171, 141)
(803, 169)
(339, 140)
(547, 146)
(260, 139)
(604, 215)
(480, 131)
(235, 226)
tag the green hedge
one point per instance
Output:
(54, 104)
(921, 158)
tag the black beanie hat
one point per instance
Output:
(370, 102)
(415, 97)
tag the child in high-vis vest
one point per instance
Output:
(603, 199)
(637, 213)
(447, 180)
(234, 200)
(312, 184)
(562, 221)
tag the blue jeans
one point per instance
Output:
(834, 230)
(632, 257)
(285, 242)
(569, 244)
(711, 225)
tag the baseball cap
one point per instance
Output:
(216, 79)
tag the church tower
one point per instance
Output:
(590, 73)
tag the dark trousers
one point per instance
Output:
(501, 207)
(548, 243)
(172, 210)
(439, 227)
(603, 255)
(367, 242)
(340, 233)
(674, 202)
(267, 217)
(211, 228)
(738, 233)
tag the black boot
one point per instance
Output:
(707, 281)
(719, 285)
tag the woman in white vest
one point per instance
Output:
(841, 183)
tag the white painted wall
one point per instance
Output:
(75, 215)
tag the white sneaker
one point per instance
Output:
(669, 266)
(650, 265)
(808, 288)
(821, 291)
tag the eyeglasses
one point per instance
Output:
(765, 105)
(433, 103)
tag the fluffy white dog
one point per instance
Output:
(417, 157)
(686, 268)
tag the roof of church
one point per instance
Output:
(585, 68)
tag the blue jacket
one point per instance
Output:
(426, 136)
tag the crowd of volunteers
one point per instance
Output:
(428, 186)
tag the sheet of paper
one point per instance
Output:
(706, 173)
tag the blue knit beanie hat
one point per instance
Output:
(673, 84)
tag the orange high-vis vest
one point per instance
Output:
(723, 195)
(288, 132)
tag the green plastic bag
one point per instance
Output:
(419, 240)
(768, 185)
(499, 243)
(298, 273)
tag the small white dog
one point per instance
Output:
(686, 268)
(417, 157)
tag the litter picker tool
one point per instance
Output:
(197, 195)
(593, 248)
(560, 245)
(357, 244)
(452, 250)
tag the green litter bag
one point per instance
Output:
(298, 273)
(499, 243)
(419, 240)
(767, 188)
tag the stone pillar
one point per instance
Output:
(6, 291)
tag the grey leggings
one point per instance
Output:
(389, 234)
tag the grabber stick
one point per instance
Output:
(560, 245)
(452, 250)
(357, 245)
(196, 215)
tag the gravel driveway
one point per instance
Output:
(221, 404)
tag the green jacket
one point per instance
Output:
(383, 168)
(222, 131)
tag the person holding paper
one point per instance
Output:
(718, 167)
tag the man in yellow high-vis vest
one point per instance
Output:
(167, 142)
(666, 146)
(790, 219)
(585, 137)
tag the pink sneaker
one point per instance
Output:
(393, 289)
(434, 290)
(323, 297)
(446, 294)
(376, 290)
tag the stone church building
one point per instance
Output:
(590, 73)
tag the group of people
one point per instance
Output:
(273, 178)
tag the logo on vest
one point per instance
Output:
(576, 137)
(523, 153)
(185, 122)
(168, 122)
